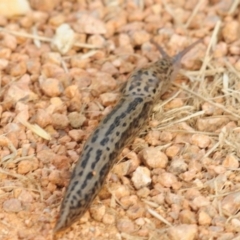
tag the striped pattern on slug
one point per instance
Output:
(144, 87)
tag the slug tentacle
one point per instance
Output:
(116, 130)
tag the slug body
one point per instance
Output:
(144, 87)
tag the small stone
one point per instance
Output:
(166, 136)
(42, 118)
(136, 15)
(22, 111)
(97, 40)
(33, 66)
(51, 87)
(175, 103)
(57, 105)
(234, 50)
(107, 67)
(211, 124)
(153, 138)
(12, 205)
(5, 53)
(46, 156)
(79, 62)
(90, 25)
(59, 121)
(220, 50)
(143, 192)
(231, 204)
(103, 82)
(204, 218)
(61, 162)
(20, 90)
(128, 201)
(77, 135)
(97, 211)
(199, 201)
(201, 140)
(125, 225)
(44, 5)
(159, 199)
(134, 161)
(140, 221)
(52, 57)
(25, 166)
(135, 212)
(230, 31)
(208, 108)
(14, 7)
(109, 219)
(9, 41)
(188, 231)
(3, 63)
(50, 70)
(188, 176)
(236, 224)
(25, 197)
(227, 236)
(187, 217)
(141, 177)
(154, 158)
(57, 20)
(173, 150)
(120, 191)
(122, 168)
(56, 178)
(123, 39)
(76, 119)
(126, 67)
(231, 162)
(17, 69)
(167, 179)
(108, 99)
(140, 37)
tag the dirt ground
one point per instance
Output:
(62, 66)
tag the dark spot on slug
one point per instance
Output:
(104, 141)
(85, 160)
(146, 88)
(94, 137)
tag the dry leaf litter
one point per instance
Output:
(62, 67)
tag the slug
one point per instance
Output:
(143, 89)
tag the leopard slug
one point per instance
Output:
(143, 88)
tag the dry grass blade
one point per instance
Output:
(196, 114)
(234, 6)
(210, 45)
(131, 237)
(15, 175)
(209, 101)
(158, 216)
(194, 12)
(44, 39)
(36, 129)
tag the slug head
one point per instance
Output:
(173, 64)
